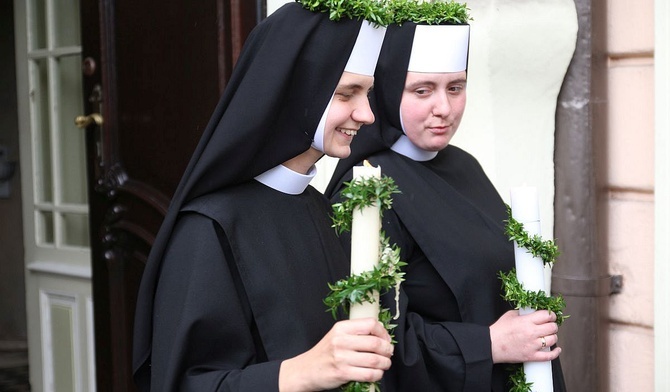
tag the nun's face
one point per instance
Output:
(432, 107)
(349, 110)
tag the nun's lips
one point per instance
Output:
(438, 129)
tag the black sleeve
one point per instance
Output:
(445, 356)
(203, 337)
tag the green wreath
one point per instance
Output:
(385, 12)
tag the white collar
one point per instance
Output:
(285, 180)
(405, 147)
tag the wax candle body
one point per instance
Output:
(526, 210)
(365, 228)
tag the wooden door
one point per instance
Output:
(154, 72)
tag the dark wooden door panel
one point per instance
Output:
(155, 71)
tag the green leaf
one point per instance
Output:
(518, 383)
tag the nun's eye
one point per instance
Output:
(456, 89)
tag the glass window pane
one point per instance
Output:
(42, 130)
(72, 139)
(37, 24)
(45, 228)
(66, 23)
(75, 232)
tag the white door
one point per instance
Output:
(55, 210)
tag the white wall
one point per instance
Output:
(274, 4)
(519, 53)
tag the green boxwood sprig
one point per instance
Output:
(362, 193)
(387, 274)
(538, 300)
(358, 288)
(517, 381)
(546, 250)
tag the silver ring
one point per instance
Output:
(544, 343)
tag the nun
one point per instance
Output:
(231, 298)
(455, 332)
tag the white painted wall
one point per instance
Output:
(519, 53)
(274, 4)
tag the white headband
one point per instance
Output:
(440, 48)
(364, 55)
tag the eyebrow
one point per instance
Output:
(419, 83)
(353, 86)
(431, 83)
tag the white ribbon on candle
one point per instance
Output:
(530, 273)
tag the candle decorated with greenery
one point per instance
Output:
(376, 267)
(524, 286)
(366, 224)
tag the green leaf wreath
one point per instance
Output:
(521, 298)
(385, 12)
(433, 13)
(359, 288)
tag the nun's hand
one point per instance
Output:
(527, 338)
(353, 350)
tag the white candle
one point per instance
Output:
(530, 273)
(526, 210)
(365, 227)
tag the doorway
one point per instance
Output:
(94, 196)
